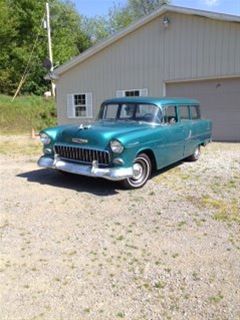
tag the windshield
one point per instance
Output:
(131, 112)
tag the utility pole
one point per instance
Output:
(50, 45)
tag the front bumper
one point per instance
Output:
(114, 174)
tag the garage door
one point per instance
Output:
(220, 102)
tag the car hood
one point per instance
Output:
(100, 133)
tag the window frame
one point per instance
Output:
(179, 112)
(176, 114)
(197, 106)
(142, 92)
(71, 106)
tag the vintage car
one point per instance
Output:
(132, 137)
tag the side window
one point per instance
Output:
(170, 116)
(184, 112)
(195, 112)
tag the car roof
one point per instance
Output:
(152, 100)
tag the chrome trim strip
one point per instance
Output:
(114, 174)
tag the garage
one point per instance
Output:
(196, 55)
(220, 102)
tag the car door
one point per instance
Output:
(173, 135)
(184, 115)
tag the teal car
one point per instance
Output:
(132, 138)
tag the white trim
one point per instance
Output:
(144, 92)
(164, 89)
(88, 104)
(165, 8)
(120, 93)
(201, 78)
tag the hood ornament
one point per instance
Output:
(84, 127)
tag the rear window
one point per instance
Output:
(195, 112)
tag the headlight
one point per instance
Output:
(116, 146)
(45, 138)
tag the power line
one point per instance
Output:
(27, 68)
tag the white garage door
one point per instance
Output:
(220, 102)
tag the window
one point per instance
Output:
(131, 112)
(110, 112)
(127, 111)
(195, 112)
(132, 93)
(146, 111)
(184, 112)
(170, 116)
(79, 105)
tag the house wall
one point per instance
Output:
(191, 47)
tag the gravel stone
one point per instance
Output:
(79, 248)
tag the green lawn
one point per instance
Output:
(25, 113)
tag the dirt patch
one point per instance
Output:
(80, 248)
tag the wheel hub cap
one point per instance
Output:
(137, 171)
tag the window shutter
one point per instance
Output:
(144, 92)
(120, 93)
(70, 106)
(89, 111)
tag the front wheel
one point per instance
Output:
(142, 168)
(196, 155)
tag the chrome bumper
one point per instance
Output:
(113, 174)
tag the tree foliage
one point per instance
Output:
(119, 17)
(140, 8)
(21, 27)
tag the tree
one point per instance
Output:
(21, 26)
(119, 17)
(140, 8)
(96, 28)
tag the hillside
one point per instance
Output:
(25, 113)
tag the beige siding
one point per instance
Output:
(192, 47)
(220, 102)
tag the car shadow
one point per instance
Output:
(78, 183)
(97, 186)
(168, 168)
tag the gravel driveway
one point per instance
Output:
(80, 248)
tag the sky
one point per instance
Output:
(92, 8)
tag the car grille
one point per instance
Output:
(82, 154)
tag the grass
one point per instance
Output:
(159, 285)
(20, 146)
(216, 299)
(224, 211)
(25, 113)
(227, 211)
(120, 315)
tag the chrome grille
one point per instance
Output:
(84, 155)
